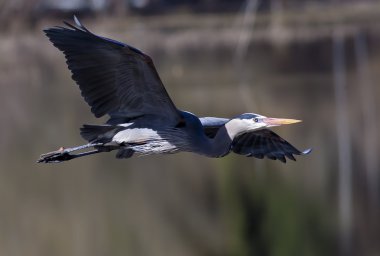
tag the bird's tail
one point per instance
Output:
(98, 133)
(104, 134)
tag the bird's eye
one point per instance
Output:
(256, 120)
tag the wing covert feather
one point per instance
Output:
(114, 78)
(265, 143)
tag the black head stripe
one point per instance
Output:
(248, 116)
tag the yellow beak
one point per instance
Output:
(279, 121)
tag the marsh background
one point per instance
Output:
(318, 61)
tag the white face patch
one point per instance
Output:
(256, 123)
(237, 126)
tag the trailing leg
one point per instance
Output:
(63, 154)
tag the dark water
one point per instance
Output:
(186, 204)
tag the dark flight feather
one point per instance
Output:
(264, 142)
(114, 78)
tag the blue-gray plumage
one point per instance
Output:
(121, 81)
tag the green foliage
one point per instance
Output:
(267, 216)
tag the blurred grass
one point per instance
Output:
(266, 215)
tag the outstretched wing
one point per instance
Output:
(265, 143)
(114, 78)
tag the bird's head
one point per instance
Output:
(250, 122)
(256, 121)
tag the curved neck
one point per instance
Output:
(220, 145)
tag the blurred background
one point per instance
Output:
(318, 61)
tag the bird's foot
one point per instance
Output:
(57, 156)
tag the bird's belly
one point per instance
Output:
(144, 141)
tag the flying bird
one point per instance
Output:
(122, 82)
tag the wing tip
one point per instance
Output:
(307, 151)
(79, 24)
(282, 159)
(77, 27)
(76, 20)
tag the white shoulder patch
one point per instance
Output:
(136, 135)
(125, 125)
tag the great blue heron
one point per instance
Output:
(121, 81)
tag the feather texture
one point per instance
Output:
(264, 142)
(114, 78)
